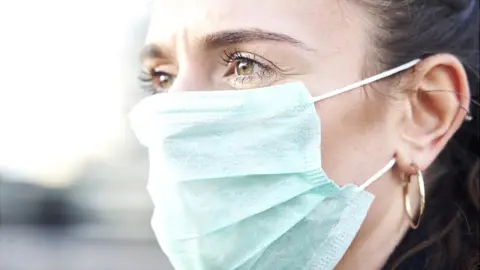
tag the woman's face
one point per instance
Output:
(195, 45)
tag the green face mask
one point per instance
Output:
(237, 182)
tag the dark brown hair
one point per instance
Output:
(448, 238)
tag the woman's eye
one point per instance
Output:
(245, 73)
(163, 80)
(156, 81)
(247, 70)
(245, 67)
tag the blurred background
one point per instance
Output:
(72, 175)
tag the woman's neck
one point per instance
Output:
(370, 251)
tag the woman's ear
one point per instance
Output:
(437, 107)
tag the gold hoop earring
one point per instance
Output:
(408, 206)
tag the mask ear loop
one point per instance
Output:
(372, 79)
(376, 176)
(390, 164)
(383, 75)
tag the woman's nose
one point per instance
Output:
(192, 79)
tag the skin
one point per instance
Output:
(361, 130)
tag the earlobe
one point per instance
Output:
(436, 105)
(404, 163)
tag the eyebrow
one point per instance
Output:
(228, 38)
(152, 51)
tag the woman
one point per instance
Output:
(244, 176)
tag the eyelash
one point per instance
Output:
(229, 57)
(235, 55)
(146, 77)
(145, 81)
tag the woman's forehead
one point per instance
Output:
(309, 21)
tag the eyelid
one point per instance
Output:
(148, 75)
(229, 57)
(269, 63)
(146, 81)
(164, 67)
(267, 74)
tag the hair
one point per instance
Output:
(448, 237)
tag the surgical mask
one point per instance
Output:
(237, 183)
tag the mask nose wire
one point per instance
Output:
(376, 176)
(361, 83)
